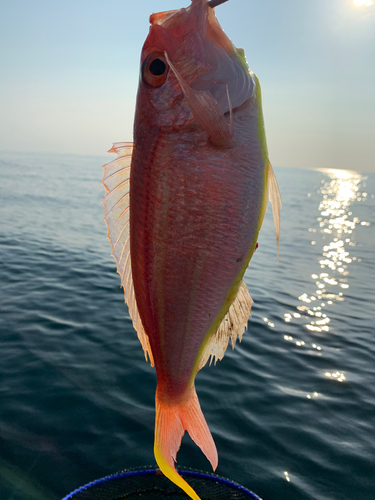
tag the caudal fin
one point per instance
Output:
(171, 421)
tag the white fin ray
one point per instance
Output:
(116, 181)
(118, 236)
(120, 174)
(124, 257)
(113, 214)
(233, 325)
(112, 200)
(275, 199)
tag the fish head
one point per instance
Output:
(190, 42)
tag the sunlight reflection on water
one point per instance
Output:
(336, 223)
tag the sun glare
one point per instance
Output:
(359, 3)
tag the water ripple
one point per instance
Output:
(291, 408)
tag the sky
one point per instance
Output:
(69, 75)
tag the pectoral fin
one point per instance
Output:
(206, 111)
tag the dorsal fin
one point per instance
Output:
(233, 325)
(116, 181)
(275, 199)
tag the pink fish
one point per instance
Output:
(184, 205)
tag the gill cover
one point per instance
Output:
(203, 59)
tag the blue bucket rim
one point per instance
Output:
(151, 470)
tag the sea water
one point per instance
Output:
(291, 409)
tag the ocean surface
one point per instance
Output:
(291, 408)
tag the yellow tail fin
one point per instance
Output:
(171, 421)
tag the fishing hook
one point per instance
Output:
(215, 3)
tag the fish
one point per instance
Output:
(184, 205)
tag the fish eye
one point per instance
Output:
(155, 69)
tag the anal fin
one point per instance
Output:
(232, 326)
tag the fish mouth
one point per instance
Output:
(168, 28)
